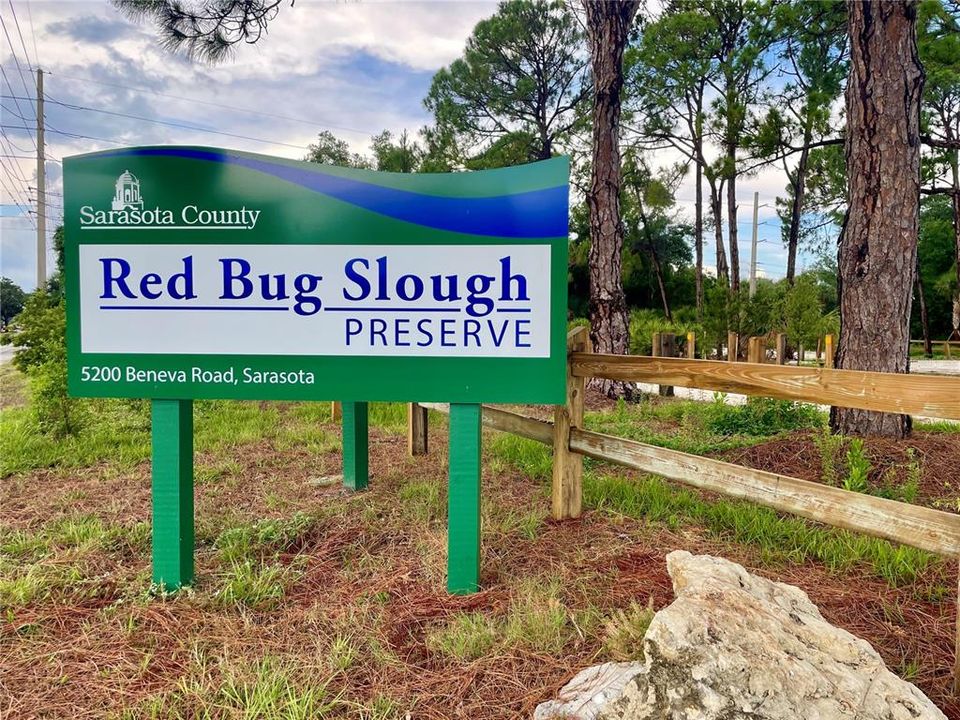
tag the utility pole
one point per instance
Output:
(41, 191)
(753, 249)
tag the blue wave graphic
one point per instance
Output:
(534, 214)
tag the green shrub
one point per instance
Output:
(41, 354)
(761, 416)
(56, 413)
(643, 323)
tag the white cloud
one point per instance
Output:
(353, 68)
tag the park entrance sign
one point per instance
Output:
(208, 273)
(202, 273)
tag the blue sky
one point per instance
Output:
(352, 68)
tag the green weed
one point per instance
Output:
(858, 468)
(829, 446)
(258, 586)
(625, 630)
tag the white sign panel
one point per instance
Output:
(363, 300)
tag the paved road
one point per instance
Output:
(6, 353)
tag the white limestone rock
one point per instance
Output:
(733, 645)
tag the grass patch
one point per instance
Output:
(423, 500)
(688, 422)
(780, 539)
(246, 543)
(536, 620)
(270, 689)
(945, 427)
(528, 456)
(391, 417)
(257, 586)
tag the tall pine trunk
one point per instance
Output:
(698, 240)
(608, 24)
(716, 209)
(955, 176)
(877, 258)
(732, 221)
(796, 210)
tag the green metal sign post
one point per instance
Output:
(463, 532)
(355, 447)
(201, 273)
(172, 431)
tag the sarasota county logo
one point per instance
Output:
(127, 196)
(127, 212)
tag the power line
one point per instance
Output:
(36, 53)
(16, 60)
(184, 126)
(22, 43)
(168, 123)
(68, 134)
(25, 213)
(12, 144)
(16, 102)
(305, 121)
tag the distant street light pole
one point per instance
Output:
(41, 191)
(753, 249)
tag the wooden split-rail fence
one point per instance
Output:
(931, 396)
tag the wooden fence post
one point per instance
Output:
(567, 500)
(172, 488)
(416, 429)
(755, 349)
(956, 646)
(691, 346)
(828, 352)
(946, 348)
(781, 348)
(336, 411)
(665, 345)
(733, 346)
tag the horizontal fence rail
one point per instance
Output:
(933, 530)
(926, 395)
(920, 527)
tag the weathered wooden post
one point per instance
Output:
(336, 411)
(416, 429)
(956, 646)
(733, 346)
(756, 349)
(691, 346)
(665, 345)
(828, 351)
(567, 500)
(172, 489)
(946, 348)
(781, 348)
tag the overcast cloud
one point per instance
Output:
(352, 68)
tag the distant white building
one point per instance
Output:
(127, 196)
